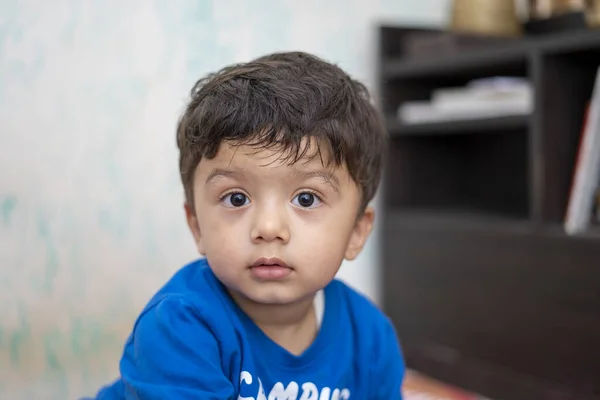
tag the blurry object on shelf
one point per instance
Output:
(586, 175)
(567, 6)
(480, 98)
(420, 387)
(485, 17)
(538, 9)
(541, 9)
(593, 13)
(421, 44)
(548, 16)
(556, 23)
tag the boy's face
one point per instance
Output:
(272, 232)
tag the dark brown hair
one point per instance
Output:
(280, 100)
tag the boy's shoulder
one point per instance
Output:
(374, 332)
(360, 307)
(191, 285)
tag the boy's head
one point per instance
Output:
(281, 99)
(284, 146)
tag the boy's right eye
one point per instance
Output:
(235, 200)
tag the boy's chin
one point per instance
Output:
(276, 296)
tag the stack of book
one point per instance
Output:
(481, 98)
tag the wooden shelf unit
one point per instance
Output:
(485, 289)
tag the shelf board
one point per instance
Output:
(557, 230)
(495, 59)
(479, 125)
(576, 41)
(428, 220)
(455, 221)
(491, 60)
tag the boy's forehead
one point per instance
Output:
(258, 155)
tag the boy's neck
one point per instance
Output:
(292, 326)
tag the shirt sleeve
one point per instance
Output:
(387, 366)
(173, 354)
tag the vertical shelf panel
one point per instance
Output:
(564, 85)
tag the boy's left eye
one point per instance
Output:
(235, 200)
(306, 200)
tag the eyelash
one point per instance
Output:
(313, 192)
(230, 192)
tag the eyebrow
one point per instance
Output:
(223, 173)
(327, 177)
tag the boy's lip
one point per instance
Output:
(270, 269)
(269, 262)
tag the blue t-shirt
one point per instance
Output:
(193, 342)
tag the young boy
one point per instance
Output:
(279, 159)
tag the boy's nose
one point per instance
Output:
(270, 224)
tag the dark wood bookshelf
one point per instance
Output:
(479, 125)
(485, 288)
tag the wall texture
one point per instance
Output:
(91, 218)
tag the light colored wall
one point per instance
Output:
(91, 219)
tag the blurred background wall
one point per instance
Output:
(91, 217)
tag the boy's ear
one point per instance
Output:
(360, 233)
(192, 222)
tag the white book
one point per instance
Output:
(419, 112)
(471, 93)
(587, 169)
(478, 100)
(476, 97)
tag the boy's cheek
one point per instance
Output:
(317, 249)
(222, 243)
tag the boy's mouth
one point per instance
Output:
(268, 269)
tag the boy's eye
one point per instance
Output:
(306, 200)
(235, 200)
